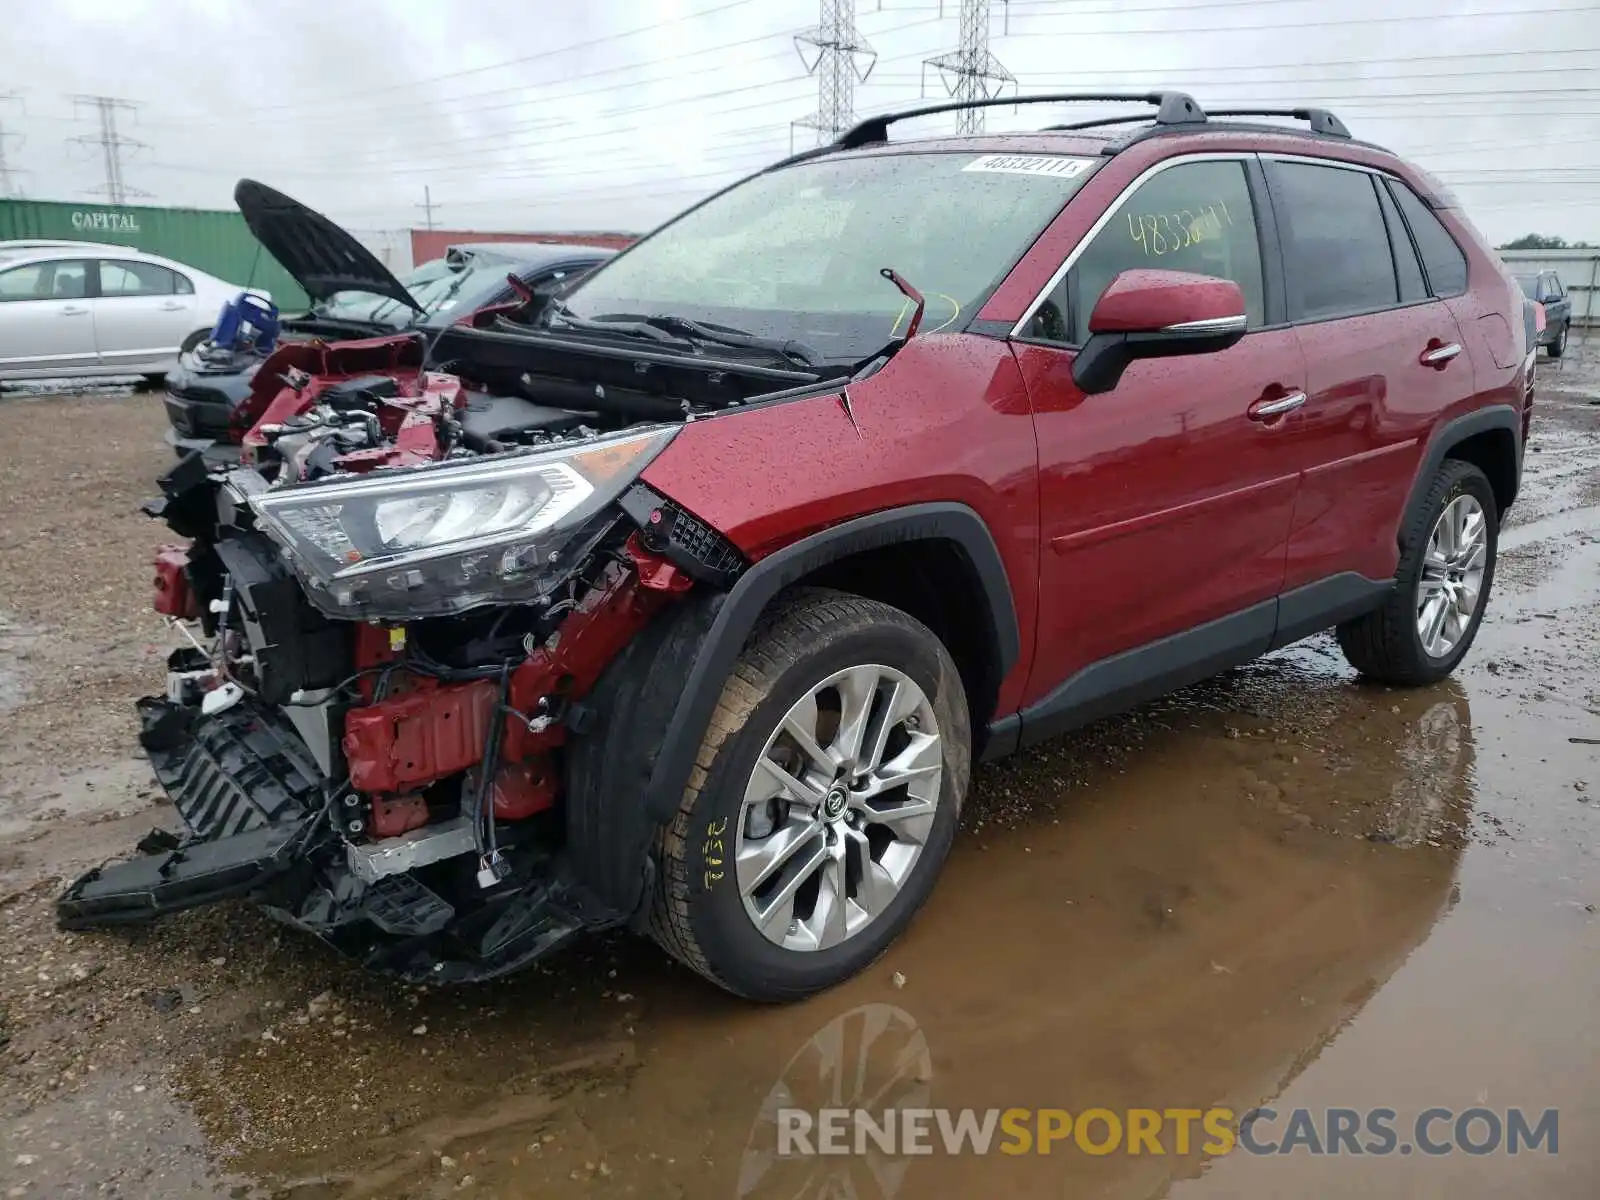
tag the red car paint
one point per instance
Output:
(296, 373)
(173, 595)
(1148, 510)
(433, 730)
(1121, 517)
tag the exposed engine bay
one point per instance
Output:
(394, 610)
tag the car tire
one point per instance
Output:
(193, 340)
(1558, 346)
(1447, 559)
(828, 862)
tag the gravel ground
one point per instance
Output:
(1256, 858)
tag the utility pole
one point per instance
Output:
(112, 144)
(427, 206)
(969, 72)
(837, 66)
(9, 188)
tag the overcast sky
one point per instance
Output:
(613, 114)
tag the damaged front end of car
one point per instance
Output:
(397, 608)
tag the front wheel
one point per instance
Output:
(1441, 589)
(824, 800)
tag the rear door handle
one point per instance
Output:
(1439, 356)
(71, 311)
(173, 306)
(1265, 410)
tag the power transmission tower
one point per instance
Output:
(8, 173)
(837, 66)
(427, 206)
(112, 144)
(971, 72)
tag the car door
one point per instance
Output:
(1165, 502)
(141, 314)
(46, 323)
(1384, 359)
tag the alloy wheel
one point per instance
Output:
(1451, 584)
(838, 807)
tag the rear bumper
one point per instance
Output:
(258, 823)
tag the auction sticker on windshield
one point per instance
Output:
(1031, 164)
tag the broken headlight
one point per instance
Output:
(446, 538)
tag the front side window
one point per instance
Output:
(1441, 257)
(1552, 288)
(1194, 217)
(126, 278)
(797, 252)
(66, 279)
(1335, 244)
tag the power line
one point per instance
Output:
(969, 71)
(840, 51)
(1123, 31)
(112, 144)
(410, 85)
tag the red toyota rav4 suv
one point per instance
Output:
(689, 603)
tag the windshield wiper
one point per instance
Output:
(722, 335)
(665, 327)
(625, 325)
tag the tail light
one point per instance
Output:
(1539, 319)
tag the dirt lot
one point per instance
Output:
(1280, 886)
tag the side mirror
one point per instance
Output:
(1156, 314)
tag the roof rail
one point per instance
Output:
(1320, 119)
(1172, 108)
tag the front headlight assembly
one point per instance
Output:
(440, 540)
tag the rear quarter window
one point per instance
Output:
(1442, 258)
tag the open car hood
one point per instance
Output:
(323, 258)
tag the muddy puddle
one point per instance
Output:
(1282, 886)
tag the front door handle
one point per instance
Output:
(1439, 356)
(1265, 410)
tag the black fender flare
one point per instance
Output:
(1451, 434)
(754, 590)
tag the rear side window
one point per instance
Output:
(1192, 217)
(1445, 263)
(1413, 286)
(128, 278)
(1335, 242)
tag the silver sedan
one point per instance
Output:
(95, 310)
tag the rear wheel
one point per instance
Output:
(1558, 347)
(1441, 589)
(824, 801)
(193, 340)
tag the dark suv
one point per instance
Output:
(1545, 288)
(891, 458)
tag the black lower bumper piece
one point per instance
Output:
(254, 807)
(248, 795)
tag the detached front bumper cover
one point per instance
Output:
(255, 812)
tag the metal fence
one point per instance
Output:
(1579, 270)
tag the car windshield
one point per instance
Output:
(357, 305)
(1530, 286)
(796, 253)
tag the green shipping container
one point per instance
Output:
(218, 243)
